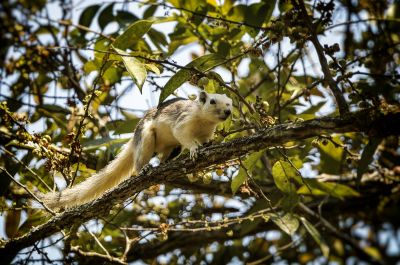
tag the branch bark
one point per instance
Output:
(365, 121)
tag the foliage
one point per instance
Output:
(67, 73)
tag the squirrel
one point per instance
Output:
(174, 123)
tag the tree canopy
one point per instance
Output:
(306, 170)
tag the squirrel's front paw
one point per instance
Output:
(193, 152)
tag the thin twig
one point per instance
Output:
(340, 100)
(97, 241)
(26, 167)
(27, 190)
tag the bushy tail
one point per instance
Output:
(119, 169)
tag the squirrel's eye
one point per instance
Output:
(212, 101)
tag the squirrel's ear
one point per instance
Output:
(203, 97)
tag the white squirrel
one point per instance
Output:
(176, 122)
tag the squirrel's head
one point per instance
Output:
(217, 107)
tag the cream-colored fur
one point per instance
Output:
(174, 123)
(110, 176)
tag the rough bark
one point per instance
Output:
(367, 121)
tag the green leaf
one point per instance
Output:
(175, 44)
(58, 118)
(223, 48)
(150, 11)
(153, 68)
(34, 219)
(316, 236)
(326, 188)
(132, 34)
(367, 156)
(90, 66)
(203, 64)
(200, 9)
(373, 252)
(237, 13)
(5, 181)
(48, 29)
(238, 180)
(253, 15)
(101, 49)
(289, 201)
(112, 75)
(259, 13)
(252, 160)
(250, 225)
(249, 164)
(106, 16)
(107, 142)
(287, 223)
(127, 126)
(129, 115)
(87, 16)
(282, 172)
(212, 86)
(314, 108)
(331, 157)
(13, 218)
(285, 5)
(136, 68)
(55, 108)
(158, 38)
(125, 18)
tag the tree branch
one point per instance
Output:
(340, 100)
(364, 121)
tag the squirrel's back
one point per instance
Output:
(175, 122)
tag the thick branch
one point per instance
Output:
(194, 240)
(363, 121)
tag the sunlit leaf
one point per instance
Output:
(90, 66)
(136, 68)
(331, 157)
(153, 68)
(101, 49)
(238, 180)
(373, 252)
(285, 5)
(203, 64)
(132, 34)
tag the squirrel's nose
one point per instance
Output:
(227, 112)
